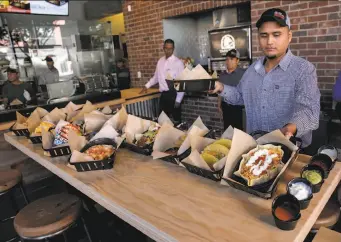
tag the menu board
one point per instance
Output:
(47, 7)
(223, 40)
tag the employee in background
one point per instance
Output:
(337, 95)
(123, 76)
(232, 114)
(172, 66)
(51, 75)
(279, 90)
(16, 89)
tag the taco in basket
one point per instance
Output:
(147, 137)
(214, 153)
(261, 164)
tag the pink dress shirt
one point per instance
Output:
(172, 66)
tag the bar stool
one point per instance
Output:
(9, 180)
(48, 217)
(330, 214)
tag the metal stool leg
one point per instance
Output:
(22, 189)
(86, 230)
(65, 238)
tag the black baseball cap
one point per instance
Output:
(12, 70)
(274, 15)
(233, 53)
(48, 58)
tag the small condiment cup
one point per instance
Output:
(290, 202)
(325, 160)
(305, 202)
(316, 187)
(329, 150)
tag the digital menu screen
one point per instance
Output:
(221, 41)
(47, 7)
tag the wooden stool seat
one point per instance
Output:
(47, 216)
(8, 179)
(329, 215)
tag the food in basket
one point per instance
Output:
(214, 153)
(100, 152)
(43, 125)
(224, 142)
(313, 176)
(61, 136)
(147, 137)
(261, 164)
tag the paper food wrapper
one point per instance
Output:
(41, 112)
(110, 133)
(106, 110)
(119, 120)
(198, 144)
(163, 119)
(199, 123)
(71, 110)
(136, 125)
(94, 121)
(242, 143)
(165, 139)
(21, 122)
(47, 138)
(75, 141)
(33, 122)
(16, 102)
(196, 73)
(87, 108)
(54, 116)
(77, 157)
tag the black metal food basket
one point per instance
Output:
(59, 151)
(146, 150)
(35, 139)
(100, 164)
(213, 175)
(261, 190)
(20, 132)
(176, 159)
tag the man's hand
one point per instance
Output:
(289, 130)
(143, 91)
(177, 105)
(219, 87)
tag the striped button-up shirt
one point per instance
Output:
(286, 94)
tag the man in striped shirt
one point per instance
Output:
(279, 90)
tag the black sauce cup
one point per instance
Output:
(305, 202)
(316, 187)
(289, 202)
(325, 160)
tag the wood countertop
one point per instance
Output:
(168, 203)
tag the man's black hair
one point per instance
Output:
(169, 41)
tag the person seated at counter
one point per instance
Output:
(16, 89)
(51, 75)
(279, 90)
(170, 100)
(123, 75)
(232, 114)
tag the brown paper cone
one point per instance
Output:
(33, 122)
(87, 108)
(106, 132)
(163, 118)
(15, 102)
(47, 139)
(75, 141)
(77, 157)
(54, 116)
(119, 120)
(136, 125)
(106, 110)
(93, 122)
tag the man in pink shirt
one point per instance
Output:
(168, 67)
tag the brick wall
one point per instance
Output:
(316, 29)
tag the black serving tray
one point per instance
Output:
(20, 132)
(96, 165)
(261, 190)
(213, 175)
(202, 85)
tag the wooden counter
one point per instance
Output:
(167, 203)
